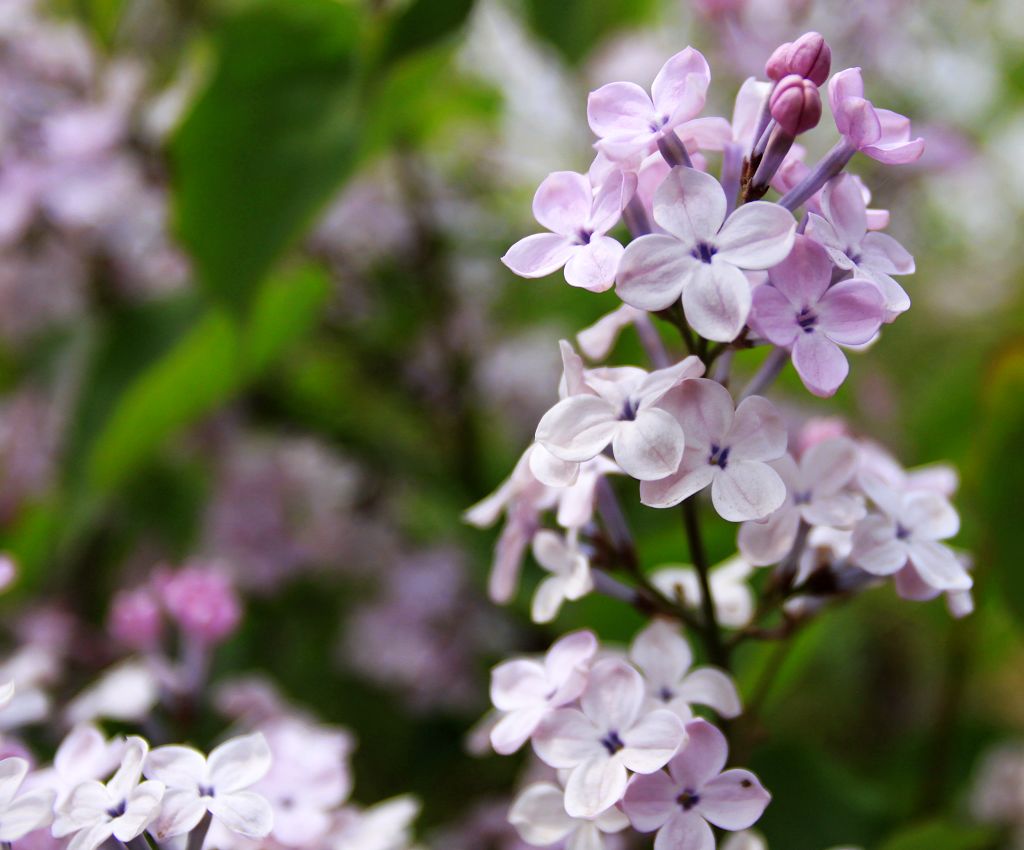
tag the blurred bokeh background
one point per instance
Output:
(252, 315)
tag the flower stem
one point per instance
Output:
(769, 371)
(718, 653)
(197, 837)
(674, 151)
(830, 165)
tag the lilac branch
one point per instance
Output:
(769, 371)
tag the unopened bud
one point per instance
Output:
(809, 57)
(795, 105)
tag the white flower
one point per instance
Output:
(734, 600)
(21, 814)
(83, 754)
(539, 816)
(385, 826)
(122, 808)
(125, 692)
(197, 785)
(570, 574)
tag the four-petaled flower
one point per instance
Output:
(629, 123)
(843, 228)
(879, 133)
(817, 493)
(725, 448)
(701, 256)
(121, 808)
(620, 406)
(539, 816)
(570, 574)
(606, 737)
(665, 659)
(197, 785)
(566, 204)
(527, 690)
(695, 791)
(798, 309)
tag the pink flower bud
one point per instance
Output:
(134, 618)
(809, 57)
(795, 104)
(202, 601)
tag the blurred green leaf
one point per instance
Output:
(422, 24)
(269, 140)
(575, 27)
(940, 835)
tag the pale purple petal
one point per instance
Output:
(239, 762)
(844, 207)
(594, 786)
(650, 447)
(757, 236)
(895, 296)
(717, 301)
(508, 559)
(713, 688)
(938, 565)
(653, 271)
(515, 728)
(859, 121)
(773, 316)
(27, 813)
(929, 515)
(805, 274)
(650, 800)
(618, 109)
(659, 382)
(518, 683)
(851, 312)
(539, 815)
(830, 465)
(735, 800)
(690, 205)
(747, 490)
(758, 431)
(702, 758)
(598, 340)
(693, 475)
(176, 766)
(614, 695)
(539, 255)
(839, 511)
(612, 195)
(768, 542)
(844, 84)
(909, 585)
(562, 203)
(710, 134)
(578, 427)
(881, 252)
(243, 812)
(662, 653)
(568, 657)
(705, 410)
(679, 88)
(820, 363)
(685, 831)
(825, 235)
(566, 738)
(875, 547)
(180, 812)
(12, 773)
(652, 741)
(593, 266)
(551, 470)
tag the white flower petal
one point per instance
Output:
(653, 272)
(539, 815)
(758, 235)
(594, 786)
(717, 300)
(243, 812)
(690, 205)
(651, 446)
(578, 428)
(747, 490)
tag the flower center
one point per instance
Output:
(659, 122)
(206, 791)
(628, 412)
(612, 742)
(704, 252)
(583, 236)
(118, 810)
(666, 694)
(719, 456)
(853, 254)
(902, 532)
(688, 799)
(802, 498)
(807, 319)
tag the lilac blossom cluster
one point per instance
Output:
(804, 278)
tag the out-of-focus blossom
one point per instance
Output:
(84, 755)
(385, 826)
(539, 815)
(125, 692)
(21, 814)
(135, 618)
(201, 599)
(733, 596)
(569, 579)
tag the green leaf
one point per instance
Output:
(940, 835)
(575, 27)
(270, 139)
(422, 24)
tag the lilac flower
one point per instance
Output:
(566, 204)
(799, 310)
(619, 406)
(842, 229)
(906, 535)
(703, 254)
(539, 816)
(122, 808)
(84, 754)
(795, 105)
(384, 826)
(695, 791)
(526, 691)
(629, 123)
(218, 784)
(878, 133)
(597, 340)
(570, 574)
(135, 618)
(665, 659)
(202, 600)
(733, 598)
(809, 57)
(817, 492)
(21, 814)
(608, 736)
(727, 449)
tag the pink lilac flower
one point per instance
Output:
(619, 406)
(726, 448)
(135, 618)
(799, 310)
(629, 123)
(694, 793)
(665, 659)
(842, 228)
(570, 574)
(540, 818)
(732, 595)
(609, 735)
(818, 493)
(202, 600)
(702, 257)
(579, 219)
(906, 535)
(878, 133)
(793, 171)
(525, 691)
(122, 808)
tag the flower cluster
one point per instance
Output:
(805, 277)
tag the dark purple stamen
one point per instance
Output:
(583, 236)
(612, 742)
(688, 799)
(802, 498)
(704, 252)
(719, 456)
(666, 694)
(628, 413)
(807, 319)
(206, 791)
(118, 810)
(902, 533)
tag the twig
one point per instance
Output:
(712, 635)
